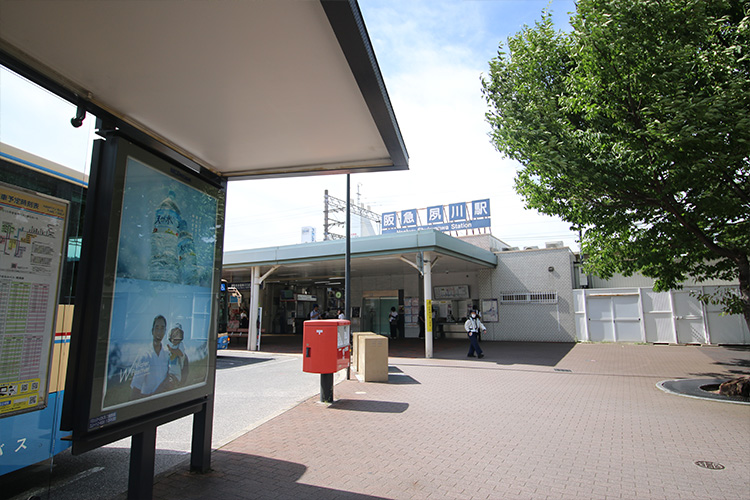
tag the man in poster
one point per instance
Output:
(150, 369)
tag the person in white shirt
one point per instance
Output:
(341, 314)
(315, 313)
(150, 369)
(473, 327)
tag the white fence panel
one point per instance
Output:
(689, 318)
(657, 311)
(725, 329)
(627, 318)
(637, 315)
(579, 310)
(601, 326)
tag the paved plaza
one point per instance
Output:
(529, 421)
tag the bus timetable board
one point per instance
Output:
(32, 241)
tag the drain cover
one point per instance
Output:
(709, 465)
(563, 370)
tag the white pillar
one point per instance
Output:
(252, 337)
(428, 305)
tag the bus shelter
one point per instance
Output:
(186, 96)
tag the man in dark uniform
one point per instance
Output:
(473, 327)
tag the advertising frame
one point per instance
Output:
(115, 326)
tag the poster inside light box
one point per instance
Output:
(161, 306)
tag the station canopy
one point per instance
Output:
(372, 256)
(245, 89)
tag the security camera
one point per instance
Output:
(77, 121)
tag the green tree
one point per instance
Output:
(635, 128)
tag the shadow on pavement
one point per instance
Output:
(94, 475)
(503, 353)
(730, 361)
(239, 475)
(508, 353)
(369, 406)
(223, 362)
(401, 379)
(526, 353)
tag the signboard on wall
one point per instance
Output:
(32, 243)
(490, 312)
(445, 218)
(451, 292)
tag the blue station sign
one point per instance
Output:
(453, 217)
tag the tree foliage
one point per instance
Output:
(635, 128)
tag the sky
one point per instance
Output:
(432, 54)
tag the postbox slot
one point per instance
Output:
(307, 352)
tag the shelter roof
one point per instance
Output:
(243, 89)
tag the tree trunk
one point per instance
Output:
(744, 267)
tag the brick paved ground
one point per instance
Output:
(515, 424)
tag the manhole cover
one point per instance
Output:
(709, 465)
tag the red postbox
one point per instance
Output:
(325, 345)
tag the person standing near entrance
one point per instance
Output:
(393, 323)
(315, 313)
(473, 327)
(421, 322)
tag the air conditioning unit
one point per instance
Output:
(583, 279)
(554, 244)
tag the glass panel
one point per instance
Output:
(370, 317)
(37, 165)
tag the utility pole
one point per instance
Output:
(331, 215)
(325, 217)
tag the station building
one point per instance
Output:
(530, 295)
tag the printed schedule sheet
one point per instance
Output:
(32, 238)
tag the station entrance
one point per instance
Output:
(375, 312)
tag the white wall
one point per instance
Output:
(638, 280)
(528, 271)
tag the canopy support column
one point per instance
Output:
(252, 338)
(428, 304)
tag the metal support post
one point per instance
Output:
(326, 387)
(347, 271)
(142, 456)
(200, 447)
(252, 334)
